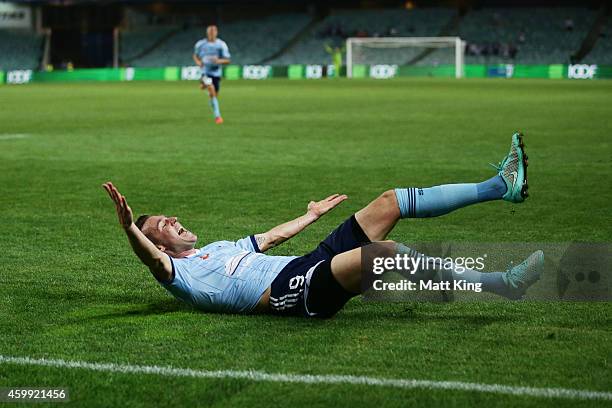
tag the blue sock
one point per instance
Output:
(494, 283)
(439, 200)
(214, 104)
(491, 189)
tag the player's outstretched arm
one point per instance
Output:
(159, 264)
(283, 232)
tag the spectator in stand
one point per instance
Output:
(474, 49)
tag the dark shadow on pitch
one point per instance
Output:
(161, 307)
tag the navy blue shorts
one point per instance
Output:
(306, 286)
(214, 80)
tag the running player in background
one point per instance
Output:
(209, 54)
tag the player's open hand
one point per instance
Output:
(124, 212)
(319, 208)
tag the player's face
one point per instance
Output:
(211, 33)
(169, 233)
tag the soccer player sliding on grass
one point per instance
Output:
(236, 277)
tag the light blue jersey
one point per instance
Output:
(206, 51)
(225, 276)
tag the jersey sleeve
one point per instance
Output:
(179, 285)
(248, 244)
(195, 48)
(225, 51)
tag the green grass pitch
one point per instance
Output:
(70, 288)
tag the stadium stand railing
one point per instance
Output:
(135, 44)
(297, 38)
(601, 53)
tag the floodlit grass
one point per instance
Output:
(70, 287)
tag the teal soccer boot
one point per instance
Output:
(519, 278)
(513, 169)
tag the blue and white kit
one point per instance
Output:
(231, 277)
(206, 51)
(225, 276)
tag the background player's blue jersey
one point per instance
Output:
(225, 276)
(206, 51)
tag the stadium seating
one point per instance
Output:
(517, 35)
(134, 43)
(540, 35)
(20, 49)
(348, 23)
(602, 51)
(250, 41)
(501, 35)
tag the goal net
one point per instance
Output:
(395, 52)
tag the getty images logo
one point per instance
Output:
(581, 71)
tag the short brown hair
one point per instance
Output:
(141, 220)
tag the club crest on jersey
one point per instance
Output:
(232, 264)
(205, 256)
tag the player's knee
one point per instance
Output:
(386, 248)
(389, 200)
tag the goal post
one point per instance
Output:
(405, 51)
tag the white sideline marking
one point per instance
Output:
(314, 379)
(10, 136)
